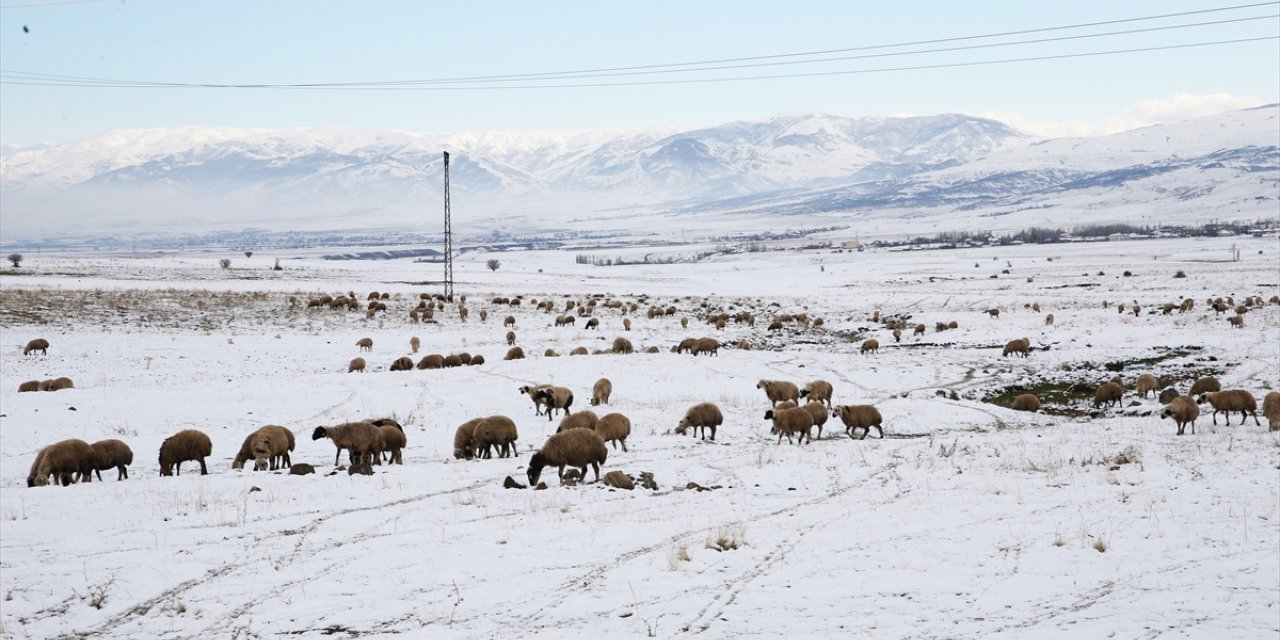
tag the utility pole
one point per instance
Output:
(448, 236)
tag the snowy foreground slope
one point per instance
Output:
(968, 521)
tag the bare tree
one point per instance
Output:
(225, 263)
(493, 264)
(16, 259)
(248, 254)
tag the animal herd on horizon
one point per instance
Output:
(582, 439)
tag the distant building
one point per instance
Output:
(853, 244)
(1117, 237)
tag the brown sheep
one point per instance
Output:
(511, 338)
(403, 363)
(484, 315)
(615, 428)
(700, 417)
(897, 335)
(358, 438)
(554, 398)
(1184, 411)
(579, 351)
(791, 420)
(871, 345)
(65, 461)
(1026, 402)
(495, 432)
(818, 412)
(39, 344)
(476, 360)
(414, 343)
(268, 447)
(1204, 385)
(1226, 402)
(994, 313)
(1020, 346)
(574, 448)
(509, 321)
(775, 326)
(532, 390)
(431, 361)
(919, 330)
(1147, 383)
(817, 391)
(1236, 321)
(30, 385)
(859, 416)
(585, 419)
(188, 444)
(743, 345)
(626, 324)
(593, 323)
(57, 384)
(1048, 320)
(779, 391)
(463, 438)
(365, 344)
(514, 353)
(357, 364)
(623, 345)
(601, 391)
(452, 360)
(112, 454)
(953, 325)
(1271, 408)
(1108, 394)
(551, 353)
(709, 346)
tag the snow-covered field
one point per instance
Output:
(968, 520)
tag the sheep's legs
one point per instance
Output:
(204, 471)
(1255, 418)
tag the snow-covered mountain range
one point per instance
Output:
(198, 178)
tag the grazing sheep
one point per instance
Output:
(1231, 400)
(30, 385)
(1184, 411)
(511, 338)
(532, 390)
(919, 330)
(554, 398)
(579, 351)
(742, 345)
(269, 448)
(775, 326)
(1108, 394)
(112, 454)
(365, 344)
(953, 325)
(509, 321)
(463, 438)
(1204, 385)
(495, 432)
(623, 345)
(871, 345)
(779, 391)
(431, 361)
(791, 420)
(39, 344)
(484, 315)
(897, 335)
(593, 323)
(65, 461)
(57, 384)
(188, 444)
(414, 343)
(1048, 320)
(390, 441)
(700, 417)
(585, 419)
(1236, 321)
(601, 391)
(1147, 383)
(994, 313)
(574, 448)
(626, 324)
(818, 412)
(1026, 402)
(1271, 408)
(452, 360)
(615, 428)
(514, 353)
(709, 346)
(403, 363)
(357, 437)
(357, 364)
(476, 360)
(817, 391)
(859, 416)
(551, 353)
(1020, 346)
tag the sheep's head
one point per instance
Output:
(536, 464)
(683, 426)
(768, 415)
(804, 393)
(319, 433)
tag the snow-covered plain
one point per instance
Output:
(968, 521)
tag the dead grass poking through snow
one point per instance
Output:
(727, 537)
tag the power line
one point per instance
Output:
(386, 87)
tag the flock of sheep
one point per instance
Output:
(582, 439)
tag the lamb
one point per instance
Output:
(30, 385)
(779, 390)
(859, 416)
(575, 448)
(817, 391)
(701, 416)
(188, 444)
(463, 439)
(365, 344)
(1271, 410)
(532, 390)
(623, 345)
(1147, 383)
(357, 364)
(1204, 385)
(601, 391)
(555, 398)
(357, 437)
(791, 420)
(1026, 402)
(1184, 411)
(871, 345)
(1229, 401)
(498, 432)
(403, 363)
(1020, 346)
(431, 361)
(585, 419)
(414, 343)
(39, 344)
(514, 353)
(818, 412)
(64, 461)
(615, 428)
(112, 454)
(1107, 394)
(709, 346)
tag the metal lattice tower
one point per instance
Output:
(448, 235)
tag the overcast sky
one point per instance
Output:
(294, 42)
